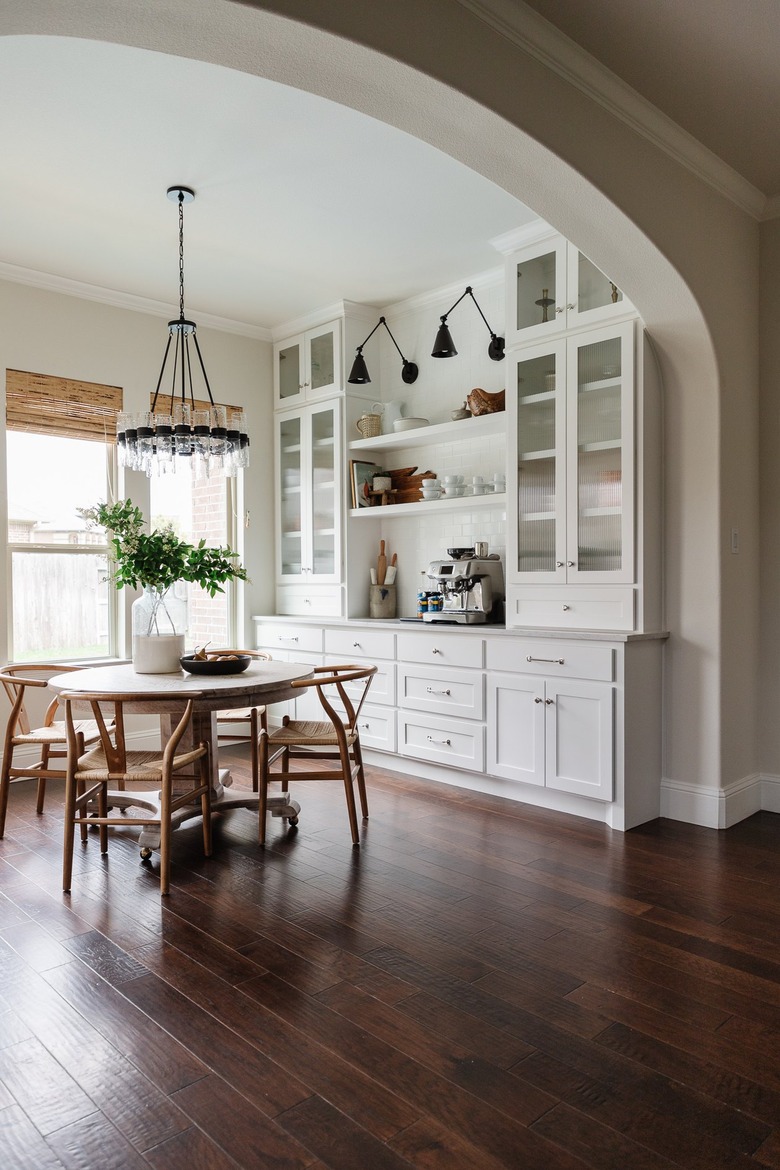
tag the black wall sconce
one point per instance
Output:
(358, 375)
(444, 347)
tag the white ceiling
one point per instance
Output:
(299, 202)
(302, 202)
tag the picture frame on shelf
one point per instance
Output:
(361, 478)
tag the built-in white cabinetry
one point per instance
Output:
(572, 724)
(307, 366)
(546, 726)
(583, 522)
(309, 515)
(552, 286)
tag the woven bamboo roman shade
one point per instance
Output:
(61, 406)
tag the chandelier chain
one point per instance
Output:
(181, 255)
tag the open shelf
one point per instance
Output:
(454, 504)
(449, 432)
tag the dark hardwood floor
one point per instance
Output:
(481, 985)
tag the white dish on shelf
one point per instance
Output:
(431, 493)
(409, 424)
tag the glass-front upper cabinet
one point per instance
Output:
(571, 408)
(308, 366)
(552, 287)
(308, 497)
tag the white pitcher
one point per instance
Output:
(390, 411)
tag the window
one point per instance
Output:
(60, 606)
(200, 509)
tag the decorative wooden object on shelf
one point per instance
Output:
(379, 499)
(407, 486)
(480, 402)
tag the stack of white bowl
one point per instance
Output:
(453, 485)
(431, 489)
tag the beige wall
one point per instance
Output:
(48, 333)
(769, 450)
(685, 255)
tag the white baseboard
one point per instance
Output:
(719, 808)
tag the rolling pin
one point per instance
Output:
(381, 564)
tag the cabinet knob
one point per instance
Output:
(559, 564)
(356, 645)
(548, 702)
(571, 306)
(565, 608)
(307, 601)
(571, 564)
(537, 699)
(435, 651)
(557, 310)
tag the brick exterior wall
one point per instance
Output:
(208, 617)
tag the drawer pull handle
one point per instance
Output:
(556, 661)
(431, 691)
(435, 651)
(307, 601)
(366, 726)
(443, 742)
(288, 637)
(356, 645)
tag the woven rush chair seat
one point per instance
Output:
(90, 773)
(140, 767)
(335, 741)
(51, 737)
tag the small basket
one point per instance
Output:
(369, 425)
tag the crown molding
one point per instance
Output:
(559, 53)
(322, 316)
(449, 292)
(529, 233)
(120, 300)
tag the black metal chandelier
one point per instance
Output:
(358, 375)
(184, 431)
(444, 347)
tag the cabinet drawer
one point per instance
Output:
(440, 649)
(446, 692)
(442, 741)
(382, 689)
(576, 607)
(309, 600)
(360, 643)
(551, 658)
(377, 728)
(287, 636)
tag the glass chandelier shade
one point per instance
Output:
(183, 431)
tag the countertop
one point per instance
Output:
(486, 629)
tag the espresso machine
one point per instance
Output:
(471, 588)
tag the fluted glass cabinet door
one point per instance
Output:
(600, 429)
(289, 465)
(323, 492)
(539, 411)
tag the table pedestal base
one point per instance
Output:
(223, 797)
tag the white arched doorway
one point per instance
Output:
(476, 96)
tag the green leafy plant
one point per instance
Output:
(158, 559)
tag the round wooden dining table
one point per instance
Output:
(263, 683)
